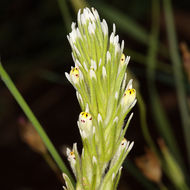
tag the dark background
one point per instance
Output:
(35, 52)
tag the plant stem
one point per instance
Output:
(159, 114)
(178, 73)
(144, 125)
(12, 88)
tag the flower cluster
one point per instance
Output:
(105, 97)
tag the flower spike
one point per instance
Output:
(105, 98)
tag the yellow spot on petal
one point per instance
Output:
(72, 153)
(130, 92)
(123, 141)
(75, 72)
(86, 115)
(122, 60)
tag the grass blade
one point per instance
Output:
(178, 73)
(159, 114)
(12, 88)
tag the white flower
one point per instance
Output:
(73, 77)
(104, 74)
(92, 28)
(104, 27)
(72, 159)
(129, 96)
(99, 77)
(122, 60)
(85, 124)
(74, 74)
(124, 146)
(92, 73)
(99, 118)
(93, 65)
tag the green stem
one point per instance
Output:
(178, 73)
(144, 125)
(10, 85)
(158, 111)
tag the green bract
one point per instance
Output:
(99, 77)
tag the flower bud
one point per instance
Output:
(72, 159)
(122, 59)
(74, 75)
(128, 98)
(92, 73)
(125, 146)
(85, 124)
(68, 182)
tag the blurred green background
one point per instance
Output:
(35, 52)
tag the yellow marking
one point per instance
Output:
(85, 115)
(122, 60)
(123, 141)
(72, 153)
(75, 72)
(131, 91)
